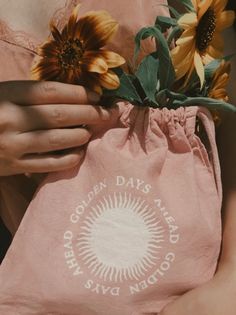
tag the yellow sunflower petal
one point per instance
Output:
(183, 65)
(218, 42)
(92, 63)
(45, 71)
(70, 78)
(222, 81)
(219, 94)
(95, 29)
(109, 80)
(199, 68)
(195, 4)
(227, 67)
(91, 81)
(224, 78)
(187, 37)
(55, 33)
(213, 52)
(64, 33)
(188, 20)
(219, 82)
(203, 6)
(186, 41)
(207, 58)
(112, 59)
(71, 25)
(51, 75)
(69, 30)
(183, 68)
(179, 53)
(49, 49)
(225, 20)
(219, 5)
(75, 11)
(189, 74)
(45, 62)
(97, 89)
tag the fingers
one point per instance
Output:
(41, 151)
(57, 116)
(50, 162)
(45, 92)
(51, 140)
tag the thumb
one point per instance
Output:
(165, 310)
(174, 307)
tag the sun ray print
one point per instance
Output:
(121, 238)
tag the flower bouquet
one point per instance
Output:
(187, 67)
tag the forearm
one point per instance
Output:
(227, 148)
(226, 140)
(228, 253)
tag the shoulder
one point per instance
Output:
(29, 16)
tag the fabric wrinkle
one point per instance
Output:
(160, 126)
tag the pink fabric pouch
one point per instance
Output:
(136, 225)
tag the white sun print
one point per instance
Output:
(120, 239)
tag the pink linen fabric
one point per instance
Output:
(15, 191)
(17, 50)
(133, 227)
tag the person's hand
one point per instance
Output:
(39, 118)
(216, 297)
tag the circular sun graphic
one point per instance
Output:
(121, 238)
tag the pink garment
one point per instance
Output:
(136, 225)
(17, 50)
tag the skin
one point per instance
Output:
(43, 111)
(35, 124)
(214, 297)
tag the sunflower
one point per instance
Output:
(217, 89)
(75, 54)
(219, 82)
(201, 40)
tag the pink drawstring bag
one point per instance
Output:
(135, 226)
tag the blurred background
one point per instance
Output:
(5, 240)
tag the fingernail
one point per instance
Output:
(105, 114)
(93, 97)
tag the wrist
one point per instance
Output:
(225, 276)
(227, 267)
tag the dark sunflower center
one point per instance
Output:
(71, 53)
(206, 29)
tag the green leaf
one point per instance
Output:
(144, 33)
(187, 4)
(126, 89)
(174, 100)
(174, 12)
(147, 75)
(166, 69)
(165, 23)
(166, 98)
(161, 98)
(207, 102)
(175, 33)
(175, 96)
